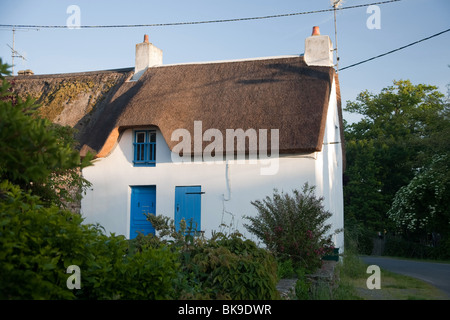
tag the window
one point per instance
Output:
(145, 148)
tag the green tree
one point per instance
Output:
(423, 206)
(397, 135)
(39, 239)
(36, 154)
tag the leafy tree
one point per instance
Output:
(362, 197)
(400, 130)
(36, 154)
(423, 206)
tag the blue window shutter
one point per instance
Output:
(144, 146)
(188, 206)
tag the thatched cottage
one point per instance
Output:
(201, 140)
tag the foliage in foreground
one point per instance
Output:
(222, 267)
(37, 244)
(36, 154)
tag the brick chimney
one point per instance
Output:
(318, 49)
(147, 56)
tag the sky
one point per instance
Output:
(360, 35)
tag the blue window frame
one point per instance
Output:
(145, 148)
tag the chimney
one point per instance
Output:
(27, 72)
(147, 56)
(318, 49)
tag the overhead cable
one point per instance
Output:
(395, 50)
(18, 26)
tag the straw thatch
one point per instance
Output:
(278, 93)
(274, 93)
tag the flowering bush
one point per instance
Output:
(293, 227)
(423, 205)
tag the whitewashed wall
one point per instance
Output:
(229, 187)
(329, 170)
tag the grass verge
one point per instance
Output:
(353, 277)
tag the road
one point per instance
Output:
(436, 274)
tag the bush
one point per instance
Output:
(38, 243)
(397, 246)
(36, 246)
(222, 267)
(149, 274)
(293, 227)
(236, 269)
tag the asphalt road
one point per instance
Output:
(436, 274)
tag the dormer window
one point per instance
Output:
(145, 148)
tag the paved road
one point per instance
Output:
(436, 274)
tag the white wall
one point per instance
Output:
(108, 200)
(329, 170)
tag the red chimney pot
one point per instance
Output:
(146, 38)
(316, 31)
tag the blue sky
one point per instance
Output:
(75, 50)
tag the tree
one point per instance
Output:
(423, 206)
(400, 130)
(36, 154)
(39, 240)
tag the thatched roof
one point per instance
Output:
(73, 99)
(274, 93)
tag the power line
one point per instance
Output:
(395, 50)
(194, 22)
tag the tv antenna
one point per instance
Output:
(335, 4)
(14, 53)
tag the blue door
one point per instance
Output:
(188, 206)
(143, 201)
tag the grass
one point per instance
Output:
(394, 286)
(398, 287)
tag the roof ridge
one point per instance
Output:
(72, 74)
(231, 60)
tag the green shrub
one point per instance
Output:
(221, 267)
(293, 227)
(285, 269)
(232, 268)
(397, 246)
(149, 274)
(38, 243)
(302, 286)
(442, 250)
